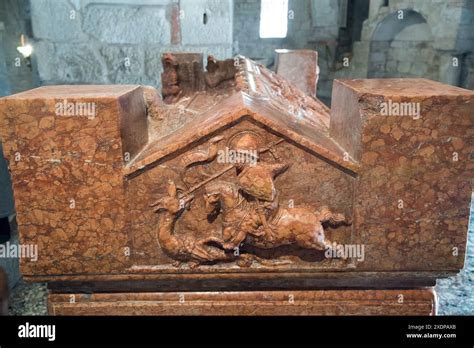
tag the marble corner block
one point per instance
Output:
(414, 140)
(66, 147)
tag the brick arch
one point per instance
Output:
(391, 26)
(403, 47)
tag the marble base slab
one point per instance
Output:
(249, 303)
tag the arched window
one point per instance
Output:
(273, 19)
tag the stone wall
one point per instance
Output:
(312, 24)
(303, 30)
(404, 50)
(121, 41)
(16, 74)
(438, 46)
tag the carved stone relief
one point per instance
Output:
(246, 202)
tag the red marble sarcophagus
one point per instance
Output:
(234, 180)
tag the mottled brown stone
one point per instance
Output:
(182, 75)
(155, 201)
(67, 179)
(262, 303)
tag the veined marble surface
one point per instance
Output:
(456, 294)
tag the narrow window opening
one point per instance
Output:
(273, 19)
(204, 18)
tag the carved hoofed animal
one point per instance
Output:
(302, 226)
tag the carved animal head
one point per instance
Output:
(220, 195)
(169, 61)
(172, 203)
(319, 236)
(325, 215)
(212, 64)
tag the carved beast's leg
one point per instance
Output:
(313, 239)
(227, 233)
(236, 239)
(209, 253)
(222, 243)
(205, 254)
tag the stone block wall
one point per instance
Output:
(73, 160)
(121, 41)
(15, 76)
(421, 48)
(307, 29)
(409, 54)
